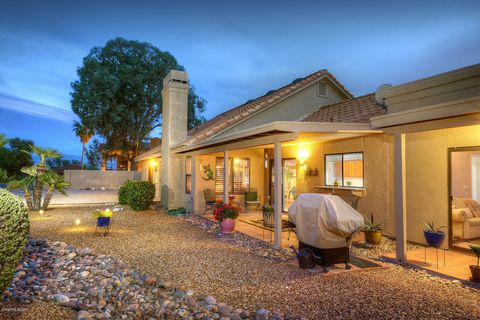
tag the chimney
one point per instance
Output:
(174, 131)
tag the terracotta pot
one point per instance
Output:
(227, 225)
(373, 237)
(475, 273)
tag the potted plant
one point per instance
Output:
(268, 215)
(372, 231)
(226, 213)
(433, 236)
(103, 220)
(475, 269)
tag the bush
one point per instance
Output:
(137, 194)
(123, 193)
(14, 228)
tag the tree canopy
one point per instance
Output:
(13, 158)
(118, 92)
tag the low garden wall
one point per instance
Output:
(84, 179)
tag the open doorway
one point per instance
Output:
(289, 183)
(465, 196)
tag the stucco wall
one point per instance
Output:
(378, 172)
(293, 108)
(83, 179)
(427, 175)
(144, 166)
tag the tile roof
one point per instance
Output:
(239, 113)
(355, 110)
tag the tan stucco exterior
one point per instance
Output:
(427, 175)
(292, 108)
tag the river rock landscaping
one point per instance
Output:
(150, 258)
(99, 286)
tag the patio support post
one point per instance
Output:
(225, 176)
(277, 152)
(193, 185)
(400, 198)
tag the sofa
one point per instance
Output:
(465, 218)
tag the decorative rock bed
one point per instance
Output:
(371, 251)
(252, 244)
(103, 287)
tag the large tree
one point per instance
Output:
(118, 93)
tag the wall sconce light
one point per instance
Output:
(152, 163)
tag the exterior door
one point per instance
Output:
(464, 196)
(289, 182)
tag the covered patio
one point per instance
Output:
(306, 158)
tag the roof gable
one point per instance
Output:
(242, 112)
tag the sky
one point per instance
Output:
(233, 51)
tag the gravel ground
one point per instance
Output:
(35, 311)
(189, 257)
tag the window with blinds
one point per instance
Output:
(238, 179)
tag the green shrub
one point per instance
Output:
(137, 194)
(14, 228)
(123, 193)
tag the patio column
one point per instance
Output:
(225, 176)
(400, 198)
(277, 156)
(193, 184)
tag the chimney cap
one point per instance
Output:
(176, 76)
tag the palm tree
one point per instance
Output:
(44, 154)
(85, 134)
(37, 171)
(54, 182)
(25, 184)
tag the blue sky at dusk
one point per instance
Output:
(233, 51)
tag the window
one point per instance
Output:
(238, 175)
(188, 175)
(346, 169)
(322, 88)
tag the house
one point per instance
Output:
(393, 148)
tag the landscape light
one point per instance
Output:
(77, 222)
(41, 211)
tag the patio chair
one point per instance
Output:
(209, 196)
(251, 197)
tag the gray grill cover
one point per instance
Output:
(324, 221)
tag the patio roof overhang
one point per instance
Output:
(155, 152)
(444, 115)
(446, 100)
(282, 131)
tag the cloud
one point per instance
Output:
(35, 109)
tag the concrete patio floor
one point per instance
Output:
(450, 262)
(80, 197)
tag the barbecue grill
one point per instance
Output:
(325, 224)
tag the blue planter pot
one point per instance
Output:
(103, 222)
(434, 239)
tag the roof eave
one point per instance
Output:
(285, 127)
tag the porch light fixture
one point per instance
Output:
(152, 163)
(302, 155)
